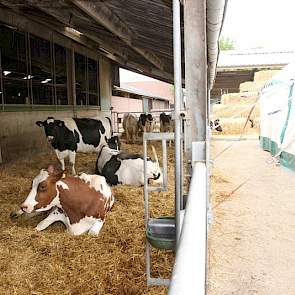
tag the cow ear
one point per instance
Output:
(60, 123)
(55, 172)
(40, 123)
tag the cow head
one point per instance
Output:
(114, 143)
(43, 194)
(154, 171)
(51, 127)
(150, 117)
(142, 119)
(216, 125)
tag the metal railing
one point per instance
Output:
(117, 118)
(189, 272)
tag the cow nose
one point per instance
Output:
(24, 207)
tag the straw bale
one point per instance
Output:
(225, 111)
(251, 86)
(54, 262)
(236, 125)
(239, 98)
(264, 75)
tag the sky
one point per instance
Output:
(252, 24)
(260, 23)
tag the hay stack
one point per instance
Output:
(264, 75)
(54, 262)
(238, 98)
(236, 125)
(226, 111)
(251, 86)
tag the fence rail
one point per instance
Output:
(117, 118)
(189, 273)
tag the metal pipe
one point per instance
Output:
(215, 17)
(146, 211)
(189, 273)
(164, 164)
(1, 88)
(177, 103)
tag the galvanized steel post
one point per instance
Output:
(177, 103)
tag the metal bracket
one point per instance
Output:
(198, 151)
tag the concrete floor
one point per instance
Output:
(252, 239)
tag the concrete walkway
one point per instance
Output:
(252, 240)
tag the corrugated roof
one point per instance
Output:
(258, 58)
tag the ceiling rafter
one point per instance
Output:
(72, 21)
(103, 15)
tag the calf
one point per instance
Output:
(130, 127)
(146, 123)
(215, 125)
(166, 123)
(121, 168)
(81, 203)
(68, 136)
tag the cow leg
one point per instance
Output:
(72, 158)
(96, 227)
(61, 157)
(54, 216)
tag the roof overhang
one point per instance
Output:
(138, 35)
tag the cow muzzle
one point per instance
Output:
(50, 139)
(26, 209)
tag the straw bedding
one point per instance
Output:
(54, 262)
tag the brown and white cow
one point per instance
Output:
(130, 128)
(81, 203)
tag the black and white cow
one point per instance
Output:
(121, 168)
(146, 123)
(71, 135)
(215, 125)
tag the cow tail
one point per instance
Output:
(156, 156)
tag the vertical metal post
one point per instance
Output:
(1, 87)
(54, 74)
(51, 70)
(164, 151)
(195, 71)
(73, 81)
(177, 103)
(146, 211)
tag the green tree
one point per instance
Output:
(226, 43)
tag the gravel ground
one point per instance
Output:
(252, 239)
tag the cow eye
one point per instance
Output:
(42, 188)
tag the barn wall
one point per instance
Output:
(125, 104)
(20, 136)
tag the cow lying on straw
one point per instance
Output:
(81, 203)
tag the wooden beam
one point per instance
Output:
(69, 20)
(104, 16)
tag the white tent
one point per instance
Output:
(277, 116)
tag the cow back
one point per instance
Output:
(79, 200)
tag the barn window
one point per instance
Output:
(14, 66)
(86, 71)
(36, 72)
(60, 75)
(41, 71)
